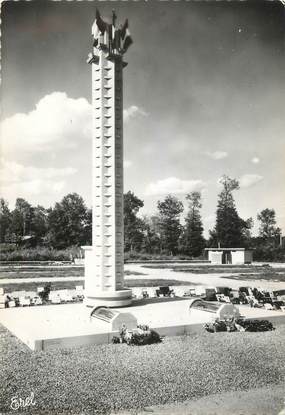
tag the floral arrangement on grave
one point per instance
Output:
(238, 324)
(141, 336)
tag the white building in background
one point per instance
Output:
(234, 256)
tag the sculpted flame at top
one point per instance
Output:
(116, 40)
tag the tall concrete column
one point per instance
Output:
(104, 260)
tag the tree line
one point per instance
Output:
(69, 223)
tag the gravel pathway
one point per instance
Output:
(101, 379)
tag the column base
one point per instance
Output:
(120, 298)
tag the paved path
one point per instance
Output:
(216, 280)
(262, 401)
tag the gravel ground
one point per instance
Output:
(101, 379)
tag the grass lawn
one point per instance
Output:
(216, 269)
(39, 273)
(240, 273)
(49, 273)
(157, 282)
(280, 277)
(223, 270)
(99, 379)
(32, 286)
(204, 268)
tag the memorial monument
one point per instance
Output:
(104, 260)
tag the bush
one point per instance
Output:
(139, 256)
(5, 247)
(38, 254)
(269, 253)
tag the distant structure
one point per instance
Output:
(234, 256)
(104, 260)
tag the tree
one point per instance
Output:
(5, 220)
(21, 219)
(267, 243)
(193, 242)
(87, 230)
(230, 230)
(67, 222)
(268, 229)
(169, 223)
(133, 226)
(39, 223)
(247, 232)
(151, 242)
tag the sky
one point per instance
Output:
(204, 95)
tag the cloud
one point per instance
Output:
(17, 180)
(12, 172)
(217, 155)
(132, 112)
(35, 191)
(127, 164)
(255, 160)
(173, 185)
(248, 180)
(57, 122)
